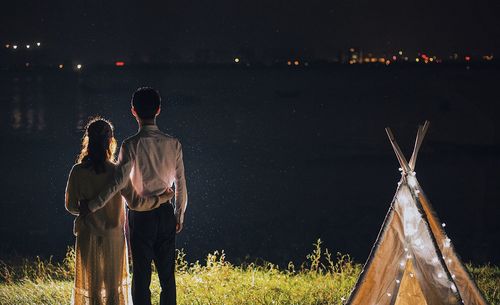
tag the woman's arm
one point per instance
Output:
(138, 203)
(71, 196)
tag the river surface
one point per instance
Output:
(274, 158)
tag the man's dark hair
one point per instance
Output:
(146, 102)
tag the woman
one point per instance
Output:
(101, 267)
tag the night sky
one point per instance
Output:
(98, 30)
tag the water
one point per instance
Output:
(274, 158)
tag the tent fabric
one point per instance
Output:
(413, 261)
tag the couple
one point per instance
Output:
(149, 163)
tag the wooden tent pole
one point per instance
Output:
(422, 130)
(399, 154)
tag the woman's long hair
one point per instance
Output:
(98, 145)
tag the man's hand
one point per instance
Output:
(178, 227)
(167, 195)
(84, 207)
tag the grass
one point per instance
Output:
(321, 279)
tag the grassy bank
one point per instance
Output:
(321, 279)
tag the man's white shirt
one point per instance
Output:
(152, 160)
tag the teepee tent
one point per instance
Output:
(413, 261)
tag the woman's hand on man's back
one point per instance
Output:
(167, 195)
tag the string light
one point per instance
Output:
(28, 46)
(38, 44)
(14, 47)
(398, 281)
(443, 225)
(388, 294)
(412, 275)
(440, 275)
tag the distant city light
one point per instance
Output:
(38, 44)
(119, 63)
(236, 60)
(28, 46)
(79, 66)
(488, 57)
(61, 66)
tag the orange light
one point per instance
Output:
(61, 66)
(120, 63)
(296, 62)
(289, 63)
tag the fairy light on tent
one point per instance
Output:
(418, 241)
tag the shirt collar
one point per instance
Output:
(149, 127)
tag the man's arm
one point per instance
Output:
(120, 179)
(180, 187)
(139, 203)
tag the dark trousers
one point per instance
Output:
(152, 238)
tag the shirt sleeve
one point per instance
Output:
(180, 185)
(138, 203)
(119, 181)
(71, 194)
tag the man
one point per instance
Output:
(153, 162)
